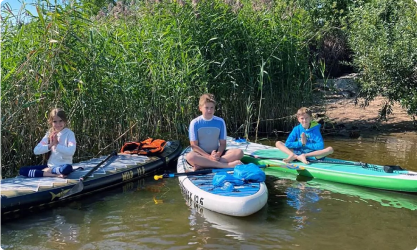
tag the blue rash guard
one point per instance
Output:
(208, 132)
(314, 139)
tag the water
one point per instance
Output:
(149, 214)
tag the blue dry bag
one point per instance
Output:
(220, 178)
(249, 173)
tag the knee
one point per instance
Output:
(279, 144)
(235, 153)
(240, 153)
(64, 169)
(190, 157)
(330, 150)
(24, 171)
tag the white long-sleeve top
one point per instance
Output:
(64, 150)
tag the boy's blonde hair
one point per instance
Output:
(205, 98)
(303, 111)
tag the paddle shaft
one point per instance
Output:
(354, 163)
(310, 160)
(80, 186)
(200, 172)
(88, 174)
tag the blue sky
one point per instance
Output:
(17, 4)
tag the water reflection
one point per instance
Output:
(300, 214)
(113, 219)
(265, 229)
(304, 192)
(235, 227)
(303, 199)
(56, 227)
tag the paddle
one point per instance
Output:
(80, 186)
(388, 169)
(200, 172)
(209, 171)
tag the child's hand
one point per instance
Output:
(53, 139)
(214, 155)
(303, 139)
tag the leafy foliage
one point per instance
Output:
(383, 36)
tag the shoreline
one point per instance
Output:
(342, 117)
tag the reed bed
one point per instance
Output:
(133, 72)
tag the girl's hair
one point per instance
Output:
(303, 111)
(61, 114)
(57, 112)
(205, 98)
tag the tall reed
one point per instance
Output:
(137, 71)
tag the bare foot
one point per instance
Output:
(290, 158)
(49, 174)
(303, 159)
(234, 163)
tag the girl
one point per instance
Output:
(59, 142)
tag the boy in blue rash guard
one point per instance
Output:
(208, 139)
(305, 140)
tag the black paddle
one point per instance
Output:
(200, 172)
(80, 186)
(388, 169)
(215, 170)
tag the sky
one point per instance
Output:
(16, 4)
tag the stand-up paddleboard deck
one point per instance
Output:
(330, 169)
(21, 193)
(243, 200)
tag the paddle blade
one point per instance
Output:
(74, 190)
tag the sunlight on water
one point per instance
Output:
(300, 214)
(383, 151)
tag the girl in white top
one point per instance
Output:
(59, 144)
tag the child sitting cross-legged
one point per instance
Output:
(305, 140)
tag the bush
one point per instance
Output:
(383, 36)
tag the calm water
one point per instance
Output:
(150, 214)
